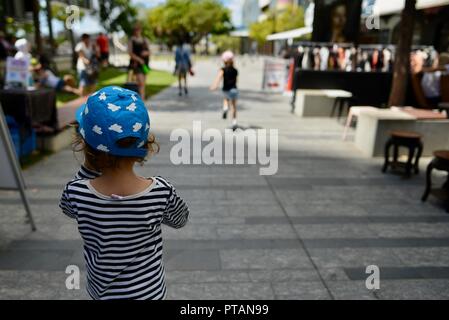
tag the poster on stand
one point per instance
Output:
(275, 75)
(17, 73)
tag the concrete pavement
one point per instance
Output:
(308, 232)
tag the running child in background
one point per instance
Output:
(119, 213)
(228, 74)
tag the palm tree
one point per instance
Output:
(402, 59)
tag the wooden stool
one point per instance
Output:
(411, 141)
(439, 162)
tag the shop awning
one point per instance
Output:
(291, 34)
(384, 7)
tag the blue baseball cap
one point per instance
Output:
(112, 114)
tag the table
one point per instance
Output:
(30, 107)
(423, 114)
(373, 130)
(355, 112)
(318, 102)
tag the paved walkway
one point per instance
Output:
(306, 233)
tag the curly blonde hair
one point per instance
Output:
(99, 160)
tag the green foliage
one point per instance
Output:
(16, 27)
(187, 20)
(259, 31)
(225, 42)
(117, 15)
(157, 81)
(292, 17)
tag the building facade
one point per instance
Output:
(250, 12)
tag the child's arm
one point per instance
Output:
(216, 83)
(176, 212)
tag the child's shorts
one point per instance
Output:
(232, 94)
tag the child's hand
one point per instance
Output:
(213, 88)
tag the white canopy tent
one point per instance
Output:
(384, 7)
(291, 34)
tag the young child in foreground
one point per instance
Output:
(119, 213)
(229, 76)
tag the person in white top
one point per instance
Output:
(23, 53)
(431, 80)
(86, 65)
(23, 50)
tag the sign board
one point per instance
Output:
(17, 73)
(275, 75)
(10, 173)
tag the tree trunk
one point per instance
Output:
(402, 59)
(37, 27)
(73, 45)
(2, 18)
(50, 26)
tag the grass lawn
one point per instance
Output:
(156, 81)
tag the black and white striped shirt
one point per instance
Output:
(123, 237)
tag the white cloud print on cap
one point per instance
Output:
(112, 114)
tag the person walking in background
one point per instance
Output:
(86, 65)
(103, 47)
(431, 79)
(228, 74)
(183, 66)
(139, 52)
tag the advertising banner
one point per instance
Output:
(17, 73)
(275, 75)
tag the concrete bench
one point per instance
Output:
(317, 103)
(374, 127)
(64, 135)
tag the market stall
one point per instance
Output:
(29, 112)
